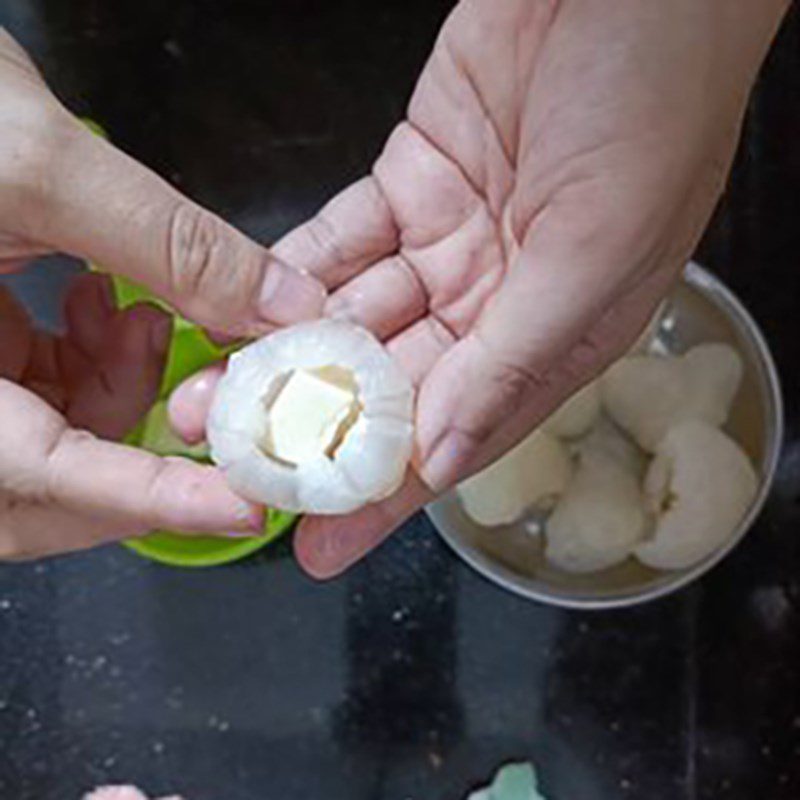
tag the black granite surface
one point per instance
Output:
(411, 678)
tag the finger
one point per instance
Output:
(327, 546)
(222, 339)
(125, 375)
(107, 208)
(43, 362)
(385, 298)
(16, 336)
(43, 374)
(353, 230)
(190, 403)
(420, 346)
(32, 530)
(450, 259)
(89, 311)
(55, 464)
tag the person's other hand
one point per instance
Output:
(64, 189)
(557, 166)
(61, 488)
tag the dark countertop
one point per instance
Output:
(411, 678)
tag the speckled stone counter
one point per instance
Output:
(411, 678)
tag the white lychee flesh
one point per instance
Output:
(316, 418)
(648, 395)
(700, 485)
(531, 475)
(577, 414)
(600, 518)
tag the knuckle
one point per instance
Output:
(55, 470)
(171, 493)
(323, 236)
(212, 275)
(193, 241)
(511, 385)
(508, 385)
(509, 370)
(158, 494)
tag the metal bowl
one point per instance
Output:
(700, 309)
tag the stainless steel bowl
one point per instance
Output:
(700, 309)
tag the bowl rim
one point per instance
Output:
(718, 292)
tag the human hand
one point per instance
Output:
(60, 487)
(62, 188)
(557, 167)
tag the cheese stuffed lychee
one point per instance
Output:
(315, 418)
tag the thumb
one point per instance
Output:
(563, 313)
(104, 206)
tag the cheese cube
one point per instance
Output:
(306, 417)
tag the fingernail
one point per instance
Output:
(189, 404)
(221, 339)
(448, 461)
(325, 555)
(253, 516)
(288, 295)
(252, 521)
